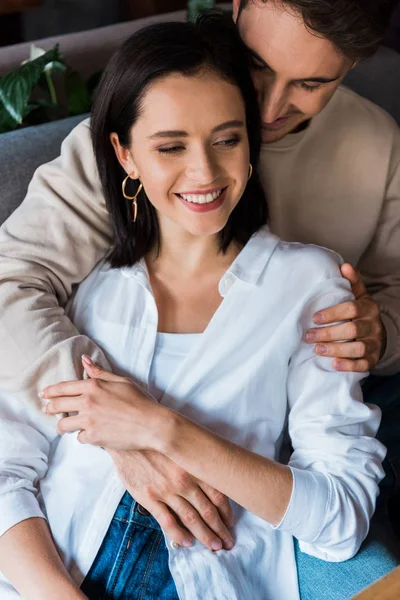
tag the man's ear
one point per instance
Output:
(235, 7)
(123, 155)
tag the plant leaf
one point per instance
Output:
(78, 98)
(16, 86)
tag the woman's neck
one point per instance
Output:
(190, 255)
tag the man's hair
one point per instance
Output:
(355, 27)
(150, 55)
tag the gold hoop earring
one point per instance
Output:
(134, 198)
(250, 170)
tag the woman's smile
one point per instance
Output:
(205, 201)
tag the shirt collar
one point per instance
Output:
(252, 260)
(248, 266)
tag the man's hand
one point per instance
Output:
(363, 330)
(160, 486)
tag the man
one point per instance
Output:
(331, 166)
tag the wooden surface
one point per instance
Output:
(18, 6)
(387, 588)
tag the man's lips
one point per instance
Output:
(277, 124)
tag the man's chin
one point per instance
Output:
(269, 136)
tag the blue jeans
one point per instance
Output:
(132, 563)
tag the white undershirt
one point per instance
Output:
(169, 352)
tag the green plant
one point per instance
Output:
(28, 93)
(195, 7)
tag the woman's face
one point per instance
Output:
(190, 149)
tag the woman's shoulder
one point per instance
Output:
(316, 260)
(295, 264)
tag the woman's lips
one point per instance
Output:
(202, 208)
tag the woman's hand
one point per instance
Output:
(111, 411)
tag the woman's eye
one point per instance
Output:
(170, 149)
(310, 88)
(229, 143)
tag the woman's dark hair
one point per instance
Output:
(149, 55)
(355, 27)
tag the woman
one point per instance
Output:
(193, 304)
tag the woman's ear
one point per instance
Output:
(124, 156)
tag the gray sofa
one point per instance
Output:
(22, 151)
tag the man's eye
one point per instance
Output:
(257, 66)
(310, 88)
(170, 149)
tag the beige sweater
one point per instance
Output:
(336, 184)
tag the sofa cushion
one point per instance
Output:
(22, 151)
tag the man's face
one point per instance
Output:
(295, 72)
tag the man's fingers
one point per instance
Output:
(221, 502)
(357, 286)
(351, 330)
(170, 525)
(191, 519)
(359, 349)
(340, 312)
(353, 366)
(211, 515)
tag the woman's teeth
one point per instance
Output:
(201, 198)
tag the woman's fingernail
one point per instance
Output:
(321, 349)
(228, 544)
(86, 359)
(41, 394)
(318, 318)
(216, 545)
(311, 336)
(187, 543)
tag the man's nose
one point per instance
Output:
(274, 102)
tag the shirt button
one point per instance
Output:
(142, 511)
(175, 545)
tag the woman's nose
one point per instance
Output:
(203, 168)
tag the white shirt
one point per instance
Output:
(169, 352)
(248, 377)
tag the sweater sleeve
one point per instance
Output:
(380, 265)
(48, 245)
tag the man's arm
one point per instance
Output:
(370, 340)
(51, 242)
(380, 267)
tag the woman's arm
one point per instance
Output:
(260, 485)
(30, 562)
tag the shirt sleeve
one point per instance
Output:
(49, 244)
(336, 461)
(25, 443)
(380, 264)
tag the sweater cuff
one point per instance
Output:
(306, 513)
(388, 363)
(16, 507)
